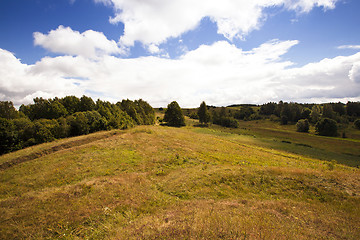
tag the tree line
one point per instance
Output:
(327, 118)
(49, 119)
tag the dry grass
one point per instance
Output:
(157, 182)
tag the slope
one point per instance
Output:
(154, 182)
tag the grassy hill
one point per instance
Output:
(155, 182)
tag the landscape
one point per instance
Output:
(261, 179)
(181, 119)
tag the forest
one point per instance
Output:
(48, 119)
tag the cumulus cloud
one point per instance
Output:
(64, 40)
(220, 74)
(354, 73)
(20, 84)
(155, 21)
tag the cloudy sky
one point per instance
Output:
(220, 51)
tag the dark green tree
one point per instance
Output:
(174, 116)
(78, 124)
(44, 130)
(86, 104)
(302, 125)
(353, 109)
(7, 110)
(305, 113)
(339, 108)
(315, 114)
(285, 114)
(8, 136)
(56, 110)
(326, 127)
(244, 113)
(328, 111)
(268, 108)
(71, 103)
(203, 114)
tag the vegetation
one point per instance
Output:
(203, 113)
(50, 119)
(156, 182)
(286, 114)
(326, 127)
(173, 115)
(302, 125)
(224, 118)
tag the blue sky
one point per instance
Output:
(223, 52)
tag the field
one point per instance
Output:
(259, 181)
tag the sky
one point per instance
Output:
(222, 52)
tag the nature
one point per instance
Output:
(181, 119)
(275, 171)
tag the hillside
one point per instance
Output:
(154, 182)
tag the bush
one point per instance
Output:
(174, 116)
(326, 127)
(302, 125)
(357, 124)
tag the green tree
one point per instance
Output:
(328, 111)
(7, 110)
(302, 125)
(285, 114)
(353, 109)
(174, 116)
(305, 113)
(315, 114)
(244, 113)
(8, 136)
(71, 103)
(78, 124)
(339, 108)
(326, 127)
(44, 130)
(56, 110)
(86, 104)
(203, 114)
(268, 108)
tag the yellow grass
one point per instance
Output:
(155, 182)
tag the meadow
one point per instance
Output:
(259, 181)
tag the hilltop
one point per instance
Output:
(155, 182)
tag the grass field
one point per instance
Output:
(155, 182)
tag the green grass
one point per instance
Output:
(285, 138)
(155, 182)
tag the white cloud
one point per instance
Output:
(64, 40)
(355, 47)
(155, 21)
(220, 74)
(153, 49)
(354, 73)
(20, 84)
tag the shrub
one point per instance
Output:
(302, 125)
(174, 116)
(326, 127)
